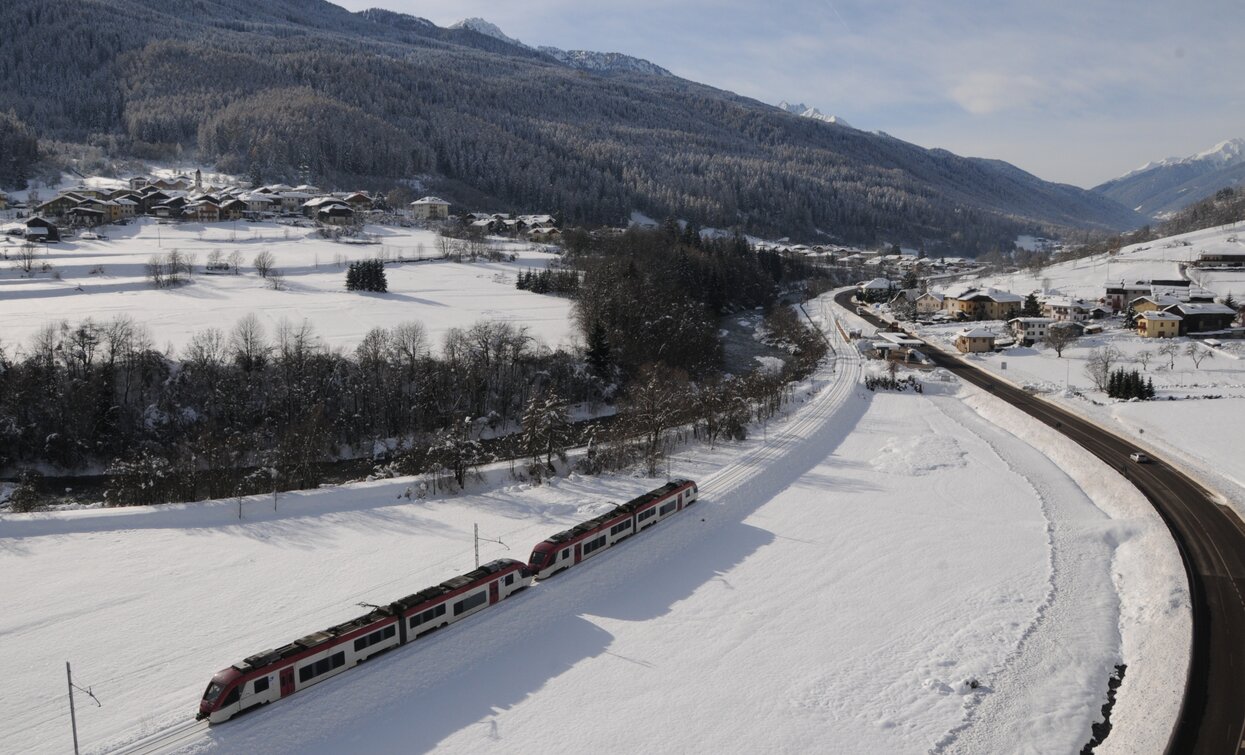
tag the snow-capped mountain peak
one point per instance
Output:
(1224, 153)
(1227, 153)
(811, 112)
(488, 29)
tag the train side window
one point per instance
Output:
(261, 685)
(509, 580)
(232, 697)
(566, 553)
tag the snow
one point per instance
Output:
(847, 571)
(103, 279)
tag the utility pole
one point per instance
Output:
(476, 527)
(73, 719)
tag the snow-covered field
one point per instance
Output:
(847, 570)
(103, 279)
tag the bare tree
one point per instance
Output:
(250, 351)
(1198, 353)
(1059, 339)
(1098, 366)
(263, 263)
(1143, 358)
(235, 261)
(26, 254)
(207, 349)
(276, 280)
(1171, 350)
(155, 270)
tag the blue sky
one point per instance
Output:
(1077, 92)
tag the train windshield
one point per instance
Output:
(213, 691)
(538, 558)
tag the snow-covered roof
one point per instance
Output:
(876, 283)
(1033, 320)
(430, 200)
(1203, 308)
(1160, 316)
(975, 333)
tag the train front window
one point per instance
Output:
(213, 691)
(538, 558)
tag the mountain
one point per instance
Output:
(481, 26)
(812, 112)
(294, 89)
(1162, 187)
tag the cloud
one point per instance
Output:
(986, 92)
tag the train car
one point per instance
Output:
(274, 674)
(587, 539)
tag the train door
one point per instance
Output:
(493, 591)
(578, 553)
(287, 681)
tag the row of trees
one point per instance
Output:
(1127, 384)
(548, 281)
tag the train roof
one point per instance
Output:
(377, 614)
(621, 510)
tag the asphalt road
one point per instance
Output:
(1211, 540)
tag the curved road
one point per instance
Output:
(1211, 540)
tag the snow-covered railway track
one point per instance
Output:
(166, 740)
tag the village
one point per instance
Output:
(180, 197)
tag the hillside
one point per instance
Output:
(1163, 187)
(302, 87)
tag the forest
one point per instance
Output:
(243, 410)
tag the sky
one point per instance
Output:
(1075, 91)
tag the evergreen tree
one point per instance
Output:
(547, 429)
(598, 352)
(1031, 307)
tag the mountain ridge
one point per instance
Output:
(302, 87)
(1162, 187)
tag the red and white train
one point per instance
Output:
(274, 674)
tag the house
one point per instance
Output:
(258, 202)
(1220, 259)
(138, 182)
(180, 183)
(1065, 309)
(1119, 295)
(430, 208)
(544, 234)
(88, 214)
(4, 201)
(1152, 303)
(877, 289)
(40, 229)
(929, 303)
(1154, 324)
(61, 204)
(358, 201)
(232, 209)
(974, 340)
(905, 297)
(982, 304)
(335, 213)
(1202, 317)
(203, 210)
(1030, 330)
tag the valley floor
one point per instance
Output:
(846, 573)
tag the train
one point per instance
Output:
(273, 674)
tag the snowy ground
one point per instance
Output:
(103, 279)
(846, 571)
